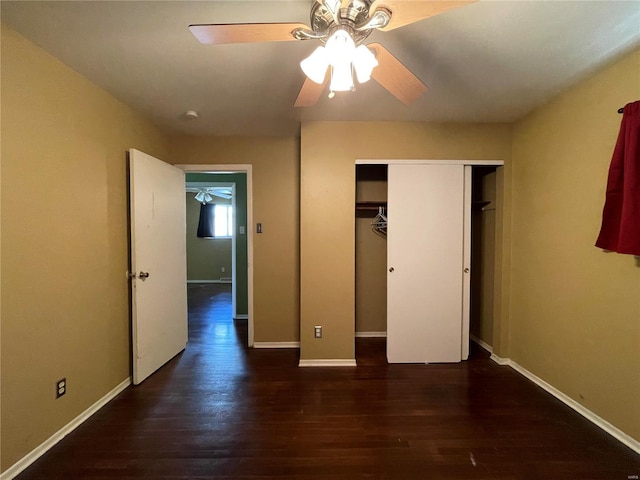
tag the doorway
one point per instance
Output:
(483, 251)
(216, 234)
(242, 268)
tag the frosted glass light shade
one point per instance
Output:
(340, 48)
(364, 61)
(341, 78)
(315, 65)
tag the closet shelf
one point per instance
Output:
(370, 206)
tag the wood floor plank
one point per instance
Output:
(223, 411)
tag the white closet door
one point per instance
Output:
(425, 263)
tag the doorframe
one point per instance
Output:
(246, 169)
(466, 290)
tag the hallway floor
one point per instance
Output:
(221, 410)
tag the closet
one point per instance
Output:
(370, 252)
(424, 291)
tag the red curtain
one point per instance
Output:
(620, 231)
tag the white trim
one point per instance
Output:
(242, 316)
(276, 344)
(481, 343)
(248, 169)
(500, 360)
(371, 334)
(429, 162)
(328, 362)
(466, 260)
(615, 432)
(209, 281)
(44, 447)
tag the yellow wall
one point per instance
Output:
(327, 196)
(275, 204)
(64, 242)
(575, 317)
(205, 256)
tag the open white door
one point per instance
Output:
(425, 263)
(158, 253)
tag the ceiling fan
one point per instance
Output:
(206, 194)
(342, 26)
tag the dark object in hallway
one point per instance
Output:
(223, 411)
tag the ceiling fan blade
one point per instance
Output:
(221, 194)
(405, 12)
(395, 77)
(310, 92)
(220, 34)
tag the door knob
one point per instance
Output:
(143, 275)
(466, 270)
(391, 269)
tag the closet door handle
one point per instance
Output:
(143, 275)
(391, 269)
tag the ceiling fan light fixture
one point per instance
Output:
(341, 78)
(315, 65)
(333, 5)
(340, 48)
(364, 61)
(203, 197)
(380, 19)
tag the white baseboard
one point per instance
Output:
(210, 281)
(615, 432)
(500, 360)
(328, 362)
(276, 344)
(243, 316)
(40, 450)
(371, 334)
(481, 343)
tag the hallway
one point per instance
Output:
(221, 410)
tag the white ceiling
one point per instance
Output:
(491, 61)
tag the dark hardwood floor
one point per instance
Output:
(222, 411)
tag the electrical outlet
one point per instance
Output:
(317, 331)
(222, 269)
(61, 387)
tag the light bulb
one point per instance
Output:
(340, 48)
(341, 79)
